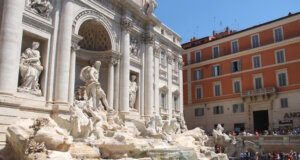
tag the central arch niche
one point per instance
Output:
(95, 37)
(95, 45)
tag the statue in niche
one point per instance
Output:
(134, 47)
(95, 94)
(30, 70)
(151, 7)
(42, 7)
(133, 88)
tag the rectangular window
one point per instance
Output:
(282, 79)
(199, 112)
(236, 66)
(235, 46)
(237, 86)
(176, 103)
(255, 41)
(163, 58)
(256, 61)
(217, 89)
(218, 110)
(198, 57)
(198, 74)
(284, 102)
(278, 34)
(258, 83)
(280, 57)
(163, 100)
(198, 92)
(216, 52)
(238, 108)
(216, 70)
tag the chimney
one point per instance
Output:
(227, 30)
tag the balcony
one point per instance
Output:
(263, 93)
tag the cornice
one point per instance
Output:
(245, 33)
(244, 53)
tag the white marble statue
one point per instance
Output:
(42, 7)
(30, 70)
(132, 91)
(151, 7)
(96, 95)
(134, 49)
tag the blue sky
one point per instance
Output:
(200, 17)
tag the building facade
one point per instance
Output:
(244, 80)
(44, 46)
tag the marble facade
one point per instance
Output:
(124, 35)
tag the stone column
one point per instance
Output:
(117, 85)
(53, 48)
(156, 87)
(110, 81)
(72, 77)
(10, 45)
(125, 63)
(170, 79)
(181, 63)
(149, 104)
(63, 54)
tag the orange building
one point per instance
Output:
(245, 80)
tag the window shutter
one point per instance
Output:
(242, 107)
(222, 109)
(213, 71)
(239, 65)
(231, 66)
(201, 74)
(220, 70)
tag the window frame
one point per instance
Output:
(281, 71)
(276, 58)
(200, 74)
(196, 92)
(238, 48)
(256, 34)
(287, 103)
(165, 106)
(219, 71)
(196, 56)
(254, 81)
(218, 106)
(274, 34)
(202, 111)
(239, 108)
(239, 66)
(233, 85)
(213, 51)
(253, 62)
(214, 89)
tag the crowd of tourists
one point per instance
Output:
(274, 132)
(292, 155)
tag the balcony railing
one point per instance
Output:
(258, 92)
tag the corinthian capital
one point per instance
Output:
(149, 38)
(126, 23)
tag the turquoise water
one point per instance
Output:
(172, 154)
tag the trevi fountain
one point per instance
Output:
(94, 79)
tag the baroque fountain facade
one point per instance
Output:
(91, 79)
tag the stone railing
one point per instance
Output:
(258, 92)
(276, 143)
